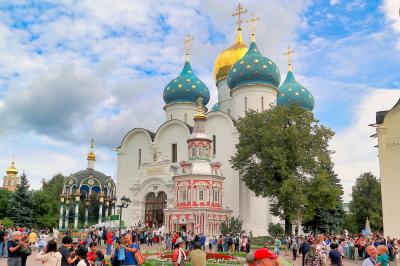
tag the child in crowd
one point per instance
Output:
(99, 261)
(383, 258)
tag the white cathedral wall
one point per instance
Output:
(128, 172)
(389, 158)
(221, 125)
(224, 97)
(255, 97)
(181, 111)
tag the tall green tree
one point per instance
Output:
(46, 202)
(367, 202)
(20, 204)
(328, 218)
(5, 196)
(280, 153)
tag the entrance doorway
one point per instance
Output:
(154, 205)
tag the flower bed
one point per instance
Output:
(212, 258)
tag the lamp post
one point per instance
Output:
(125, 201)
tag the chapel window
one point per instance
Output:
(174, 156)
(206, 152)
(139, 158)
(214, 145)
(194, 152)
(262, 103)
(183, 196)
(201, 152)
(201, 195)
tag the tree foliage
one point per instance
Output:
(232, 226)
(46, 202)
(5, 196)
(275, 230)
(20, 204)
(328, 218)
(367, 202)
(281, 154)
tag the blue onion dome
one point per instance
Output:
(186, 88)
(254, 68)
(293, 92)
(215, 108)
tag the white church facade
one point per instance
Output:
(150, 164)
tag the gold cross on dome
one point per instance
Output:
(238, 12)
(289, 53)
(252, 21)
(92, 144)
(187, 42)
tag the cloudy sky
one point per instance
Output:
(71, 70)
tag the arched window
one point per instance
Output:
(193, 151)
(206, 152)
(201, 151)
(262, 103)
(154, 206)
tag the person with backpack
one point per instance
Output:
(295, 248)
(130, 249)
(304, 248)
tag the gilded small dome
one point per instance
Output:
(91, 156)
(12, 170)
(227, 58)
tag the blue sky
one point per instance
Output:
(72, 70)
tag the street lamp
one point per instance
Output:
(125, 201)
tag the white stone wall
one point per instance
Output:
(221, 125)
(389, 159)
(224, 97)
(257, 97)
(181, 111)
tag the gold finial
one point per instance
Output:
(289, 53)
(252, 21)
(200, 114)
(91, 156)
(188, 44)
(238, 12)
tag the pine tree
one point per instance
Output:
(20, 208)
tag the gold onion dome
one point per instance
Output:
(12, 169)
(227, 58)
(91, 156)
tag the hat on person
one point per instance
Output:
(178, 241)
(263, 253)
(250, 258)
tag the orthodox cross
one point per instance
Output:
(289, 53)
(187, 42)
(238, 12)
(92, 144)
(252, 21)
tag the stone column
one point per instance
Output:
(60, 222)
(87, 201)
(106, 209)
(66, 213)
(101, 201)
(77, 199)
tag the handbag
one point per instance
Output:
(25, 251)
(139, 258)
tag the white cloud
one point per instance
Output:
(391, 11)
(334, 2)
(355, 152)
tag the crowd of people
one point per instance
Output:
(316, 250)
(90, 246)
